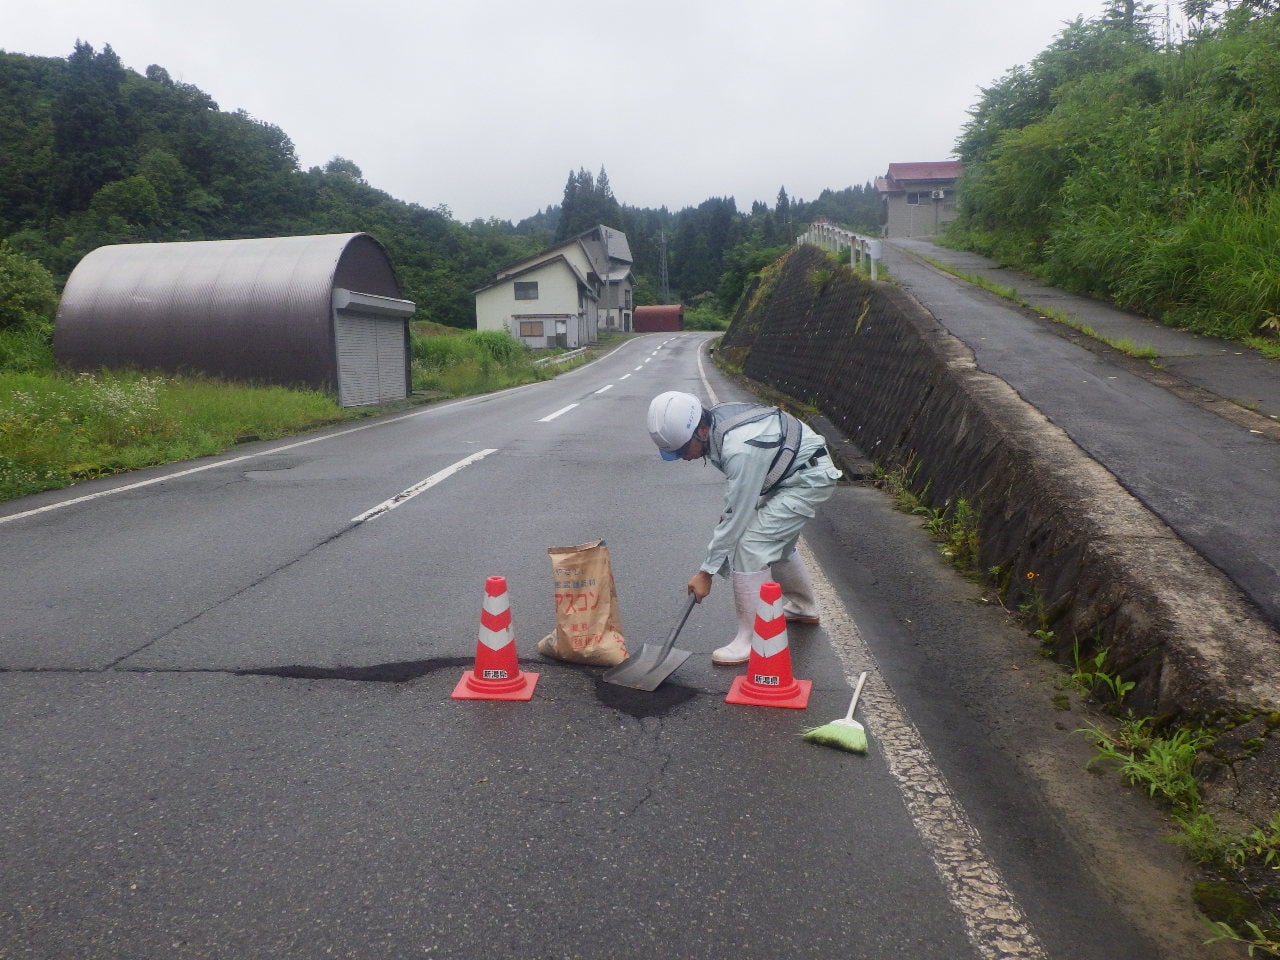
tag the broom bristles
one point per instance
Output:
(842, 734)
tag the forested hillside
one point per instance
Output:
(1139, 165)
(93, 153)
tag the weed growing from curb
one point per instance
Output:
(1091, 677)
(954, 524)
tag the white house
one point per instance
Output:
(565, 295)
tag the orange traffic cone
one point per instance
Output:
(768, 681)
(497, 674)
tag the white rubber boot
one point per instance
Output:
(746, 599)
(798, 603)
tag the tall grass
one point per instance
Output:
(477, 362)
(26, 347)
(58, 429)
(1153, 180)
(1212, 270)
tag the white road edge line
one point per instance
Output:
(123, 488)
(208, 466)
(706, 384)
(551, 416)
(422, 485)
(995, 924)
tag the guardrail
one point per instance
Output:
(561, 357)
(830, 237)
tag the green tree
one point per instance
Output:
(782, 215)
(702, 235)
(588, 201)
(1129, 16)
(132, 200)
(345, 167)
(28, 296)
(92, 138)
(26, 138)
(93, 153)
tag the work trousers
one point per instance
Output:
(774, 529)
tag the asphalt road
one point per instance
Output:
(226, 729)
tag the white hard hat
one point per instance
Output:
(673, 416)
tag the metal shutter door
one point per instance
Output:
(371, 359)
(391, 360)
(357, 360)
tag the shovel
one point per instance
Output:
(652, 665)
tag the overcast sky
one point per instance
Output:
(486, 106)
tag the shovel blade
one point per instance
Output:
(647, 669)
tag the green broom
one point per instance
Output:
(845, 733)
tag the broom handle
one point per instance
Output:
(857, 692)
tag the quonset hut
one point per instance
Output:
(321, 312)
(659, 318)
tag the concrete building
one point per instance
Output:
(919, 198)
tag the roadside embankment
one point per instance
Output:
(1056, 529)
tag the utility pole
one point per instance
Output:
(664, 286)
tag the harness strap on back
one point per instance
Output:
(740, 414)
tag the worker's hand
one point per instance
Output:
(700, 585)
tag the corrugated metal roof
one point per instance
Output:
(612, 243)
(256, 309)
(929, 170)
(616, 245)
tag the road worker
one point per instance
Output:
(777, 472)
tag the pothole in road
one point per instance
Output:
(640, 703)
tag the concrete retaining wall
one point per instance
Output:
(1109, 572)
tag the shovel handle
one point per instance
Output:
(675, 631)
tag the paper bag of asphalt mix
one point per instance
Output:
(588, 622)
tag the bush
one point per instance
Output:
(28, 301)
(500, 346)
(473, 363)
(483, 346)
(28, 296)
(27, 347)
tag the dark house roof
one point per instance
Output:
(527, 268)
(901, 175)
(606, 240)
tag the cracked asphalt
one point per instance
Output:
(226, 730)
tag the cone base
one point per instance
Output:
(755, 695)
(519, 687)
